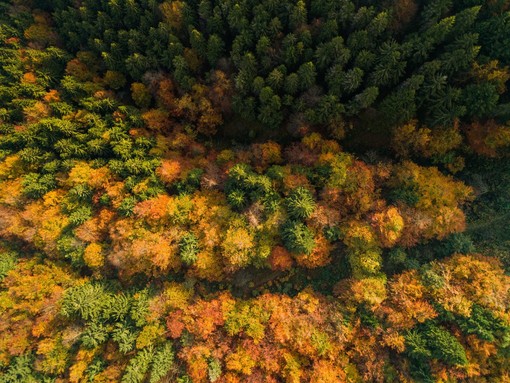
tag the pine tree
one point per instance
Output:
(307, 75)
(445, 346)
(138, 366)
(7, 263)
(188, 248)
(162, 362)
(300, 203)
(297, 238)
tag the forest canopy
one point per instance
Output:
(266, 191)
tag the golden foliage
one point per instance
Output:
(169, 171)
(280, 259)
(407, 302)
(268, 153)
(10, 167)
(436, 212)
(320, 256)
(149, 335)
(237, 247)
(96, 228)
(411, 140)
(28, 309)
(172, 13)
(241, 362)
(29, 78)
(93, 255)
(488, 139)
(140, 94)
(388, 226)
(492, 72)
(468, 279)
(157, 120)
